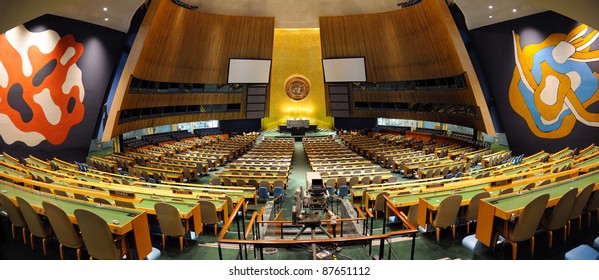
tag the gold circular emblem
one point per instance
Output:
(297, 87)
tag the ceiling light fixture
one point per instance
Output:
(490, 7)
(408, 3)
(105, 19)
(105, 9)
(183, 4)
(490, 16)
(514, 10)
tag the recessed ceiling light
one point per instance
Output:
(490, 16)
(514, 10)
(490, 7)
(105, 9)
(106, 19)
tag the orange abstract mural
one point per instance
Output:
(552, 84)
(41, 86)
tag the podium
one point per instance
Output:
(291, 124)
(297, 127)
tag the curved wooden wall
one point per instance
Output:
(420, 42)
(179, 45)
(191, 46)
(449, 96)
(133, 101)
(158, 121)
(405, 44)
(475, 123)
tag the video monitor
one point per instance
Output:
(249, 71)
(349, 69)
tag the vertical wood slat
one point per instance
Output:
(416, 43)
(136, 100)
(425, 116)
(192, 46)
(158, 121)
(187, 46)
(405, 44)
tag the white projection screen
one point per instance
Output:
(249, 71)
(351, 69)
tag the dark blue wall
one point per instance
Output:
(460, 22)
(495, 46)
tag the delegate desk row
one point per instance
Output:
(345, 166)
(139, 197)
(134, 196)
(388, 160)
(251, 168)
(340, 163)
(72, 170)
(121, 220)
(505, 208)
(331, 154)
(410, 166)
(429, 201)
(442, 168)
(269, 177)
(203, 163)
(87, 188)
(363, 177)
(399, 164)
(405, 194)
(269, 158)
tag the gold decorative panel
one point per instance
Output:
(297, 52)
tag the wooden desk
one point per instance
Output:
(189, 211)
(261, 164)
(414, 198)
(427, 205)
(170, 174)
(560, 154)
(14, 170)
(66, 185)
(441, 165)
(413, 166)
(97, 175)
(385, 175)
(217, 192)
(258, 175)
(453, 152)
(502, 207)
(130, 220)
(38, 162)
(9, 159)
(243, 168)
(536, 157)
(588, 165)
(486, 159)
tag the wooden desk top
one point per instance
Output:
(35, 198)
(513, 203)
(386, 174)
(129, 220)
(409, 200)
(503, 207)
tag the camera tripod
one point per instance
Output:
(312, 221)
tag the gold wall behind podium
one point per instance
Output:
(297, 52)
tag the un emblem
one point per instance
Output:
(297, 87)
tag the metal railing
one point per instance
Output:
(243, 236)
